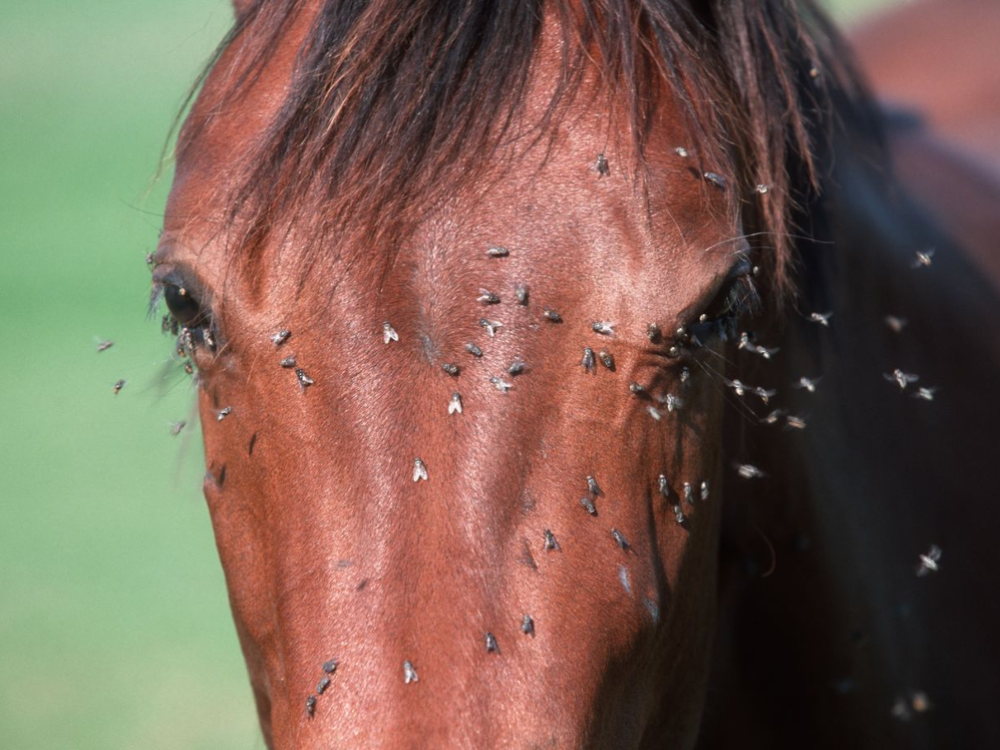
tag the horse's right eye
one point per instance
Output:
(183, 306)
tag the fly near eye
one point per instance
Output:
(183, 306)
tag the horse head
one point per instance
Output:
(460, 282)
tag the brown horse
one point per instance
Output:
(464, 283)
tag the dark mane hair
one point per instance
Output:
(389, 95)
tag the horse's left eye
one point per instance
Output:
(183, 306)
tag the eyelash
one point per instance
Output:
(738, 298)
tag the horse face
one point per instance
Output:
(461, 486)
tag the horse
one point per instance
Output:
(496, 309)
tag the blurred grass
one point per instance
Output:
(114, 624)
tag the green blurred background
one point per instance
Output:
(114, 624)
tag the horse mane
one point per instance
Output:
(390, 95)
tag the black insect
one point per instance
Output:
(498, 252)
(223, 413)
(117, 387)
(550, 542)
(322, 685)
(304, 380)
(716, 179)
(607, 359)
(491, 326)
(280, 337)
(500, 384)
(516, 367)
(620, 539)
(601, 165)
(330, 666)
(455, 404)
(189, 368)
(664, 486)
(588, 359)
(653, 332)
(592, 487)
(552, 316)
(103, 346)
(389, 333)
(176, 427)
(487, 297)
(637, 390)
(528, 625)
(409, 673)
(688, 493)
(588, 505)
(311, 706)
(450, 368)
(474, 350)
(492, 647)
(603, 328)
(521, 292)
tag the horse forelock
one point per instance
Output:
(393, 103)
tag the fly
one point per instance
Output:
(455, 404)
(764, 394)
(492, 647)
(716, 179)
(176, 427)
(389, 333)
(451, 369)
(552, 316)
(498, 252)
(822, 318)
(223, 413)
(796, 423)
(602, 327)
(607, 359)
(281, 337)
(528, 625)
(487, 297)
(896, 325)
(900, 378)
(474, 350)
(550, 542)
(923, 259)
(516, 368)
(491, 326)
(688, 493)
(288, 362)
(808, 383)
(748, 471)
(117, 387)
(929, 562)
(588, 505)
(925, 394)
(664, 486)
(419, 470)
(500, 384)
(304, 380)
(593, 488)
(521, 292)
(588, 360)
(409, 673)
(103, 346)
(620, 540)
(601, 165)
(653, 332)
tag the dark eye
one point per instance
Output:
(737, 296)
(183, 306)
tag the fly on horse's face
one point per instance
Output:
(410, 472)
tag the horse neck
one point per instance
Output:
(873, 480)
